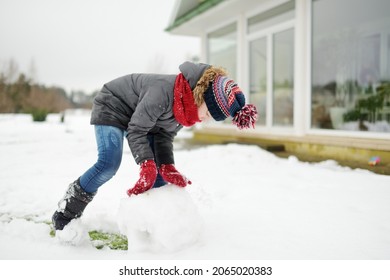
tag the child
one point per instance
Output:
(149, 110)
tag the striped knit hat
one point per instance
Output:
(224, 98)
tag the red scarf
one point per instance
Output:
(184, 107)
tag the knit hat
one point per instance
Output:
(224, 98)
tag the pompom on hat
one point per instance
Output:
(224, 98)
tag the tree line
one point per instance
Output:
(19, 93)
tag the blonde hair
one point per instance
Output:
(201, 86)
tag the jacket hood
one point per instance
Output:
(193, 72)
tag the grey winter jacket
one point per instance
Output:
(142, 105)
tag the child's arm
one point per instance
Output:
(143, 120)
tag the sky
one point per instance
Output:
(80, 45)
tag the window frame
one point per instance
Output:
(269, 33)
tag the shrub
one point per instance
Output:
(39, 115)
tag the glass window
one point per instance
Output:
(351, 65)
(283, 78)
(222, 48)
(258, 77)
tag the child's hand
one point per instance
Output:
(171, 175)
(148, 175)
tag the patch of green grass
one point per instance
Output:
(99, 239)
(113, 241)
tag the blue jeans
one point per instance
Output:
(109, 141)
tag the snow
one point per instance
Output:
(169, 222)
(244, 202)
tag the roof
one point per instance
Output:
(187, 9)
(195, 17)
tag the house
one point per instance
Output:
(317, 70)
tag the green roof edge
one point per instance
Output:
(204, 6)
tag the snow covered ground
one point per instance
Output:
(244, 202)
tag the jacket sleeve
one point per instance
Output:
(144, 118)
(163, 147)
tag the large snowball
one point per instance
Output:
(163, 219)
